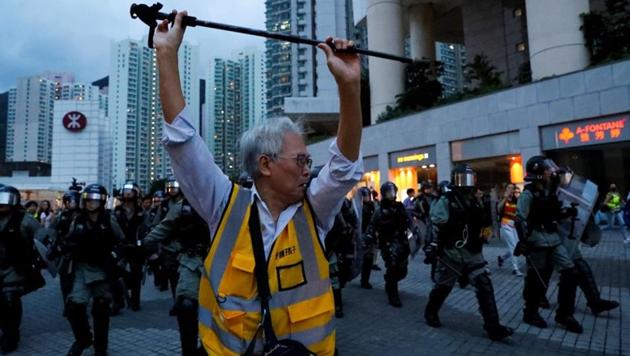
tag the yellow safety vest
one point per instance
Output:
(301, 301)
(614, 202)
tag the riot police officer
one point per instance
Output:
(130, 218)
(18, 275)
(538, 213)
(70, 210)
(189, 232)
(367, 244)
(90, 244)
(389, 226)
(340, 251)
(169, 247)
(460, 222)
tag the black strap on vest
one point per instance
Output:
(262, 279)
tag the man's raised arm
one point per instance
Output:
(346, 69)
(166, 46)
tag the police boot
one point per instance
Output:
(586, 282)
(338, 303)
(488, 309)
(100, 314)
(391, 288)
(366, 270)
(77, 316)
(532, 292)
(436, 299)
(187, 323)
(566, 301)
(12, 318)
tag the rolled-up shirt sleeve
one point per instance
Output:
(335, 180)
(203, 183)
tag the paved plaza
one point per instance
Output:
(372, 327)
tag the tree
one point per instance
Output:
(607, 34)
(422, 90)
(482, 75)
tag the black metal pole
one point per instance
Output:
(150, 15)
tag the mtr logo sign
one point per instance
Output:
(581, 133)
(74, 121)
(596, 132)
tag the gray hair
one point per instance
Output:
(265, 138)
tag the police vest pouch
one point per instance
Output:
(272, 346)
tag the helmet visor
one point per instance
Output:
(94, 196)
(464, 179)
(8, 198)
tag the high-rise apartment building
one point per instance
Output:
(236, 102)
(453, 58)
(30, 120)
(135, 112)
(298, 81)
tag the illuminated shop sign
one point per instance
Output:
(590, 132)
(416, 157)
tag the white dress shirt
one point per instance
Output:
(207, 188)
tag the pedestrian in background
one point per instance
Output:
(612, 206)
(507, 215)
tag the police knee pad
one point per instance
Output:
(483, 282)
(582, 266)
(100, 306)
(73, 308)
(186, 304)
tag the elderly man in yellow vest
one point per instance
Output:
(294, 216)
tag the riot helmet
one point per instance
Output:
(158, 197)
(245, 180)
(172, 187)
(94, 197)
(9, 196)
(389, 191)
(444, 187)
(71, 199)
(130, 192)
(538, 165)
(365, 194)
(463, 176)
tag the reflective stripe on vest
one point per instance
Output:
(302, 312)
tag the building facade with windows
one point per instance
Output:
(135, 112)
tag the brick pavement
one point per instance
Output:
(371, 327)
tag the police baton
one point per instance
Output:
(531, 264)
(151, 14)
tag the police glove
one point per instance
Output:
(430, 253)
(569, 212)
(521, 249)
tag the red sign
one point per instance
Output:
(74, 121)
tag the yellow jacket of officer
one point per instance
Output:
(301, 301)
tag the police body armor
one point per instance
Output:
(134, 231)
(464, 223)
(193, 230)
(92, 242)
(544, 211)
(15, 251)
(391, 227)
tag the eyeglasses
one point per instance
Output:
(301, 160)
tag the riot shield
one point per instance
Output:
(581, 193)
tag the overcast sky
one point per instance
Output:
(75, 35)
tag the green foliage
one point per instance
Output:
(607, 34)
(482, 76)
(422, 90)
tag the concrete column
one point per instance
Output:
(385, 33)
(556, 43)
(443, 161)
(383, 167)
(421, 31)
